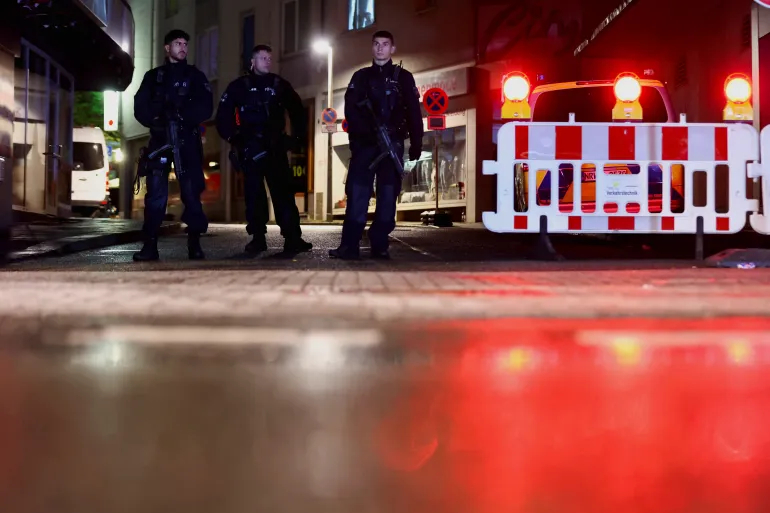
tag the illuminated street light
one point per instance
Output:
(322, 46)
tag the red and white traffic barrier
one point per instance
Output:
(696, 147)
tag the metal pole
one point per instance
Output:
(329, 199)
(437, 140)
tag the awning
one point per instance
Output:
(92, 39)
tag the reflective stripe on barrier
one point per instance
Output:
(620, 159)
(760, 222)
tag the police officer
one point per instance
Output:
(179, 92)
(251, 117)
(396, 102)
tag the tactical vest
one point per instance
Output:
(254, 114)
(182, 91)
(392, 97)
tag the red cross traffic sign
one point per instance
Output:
(436, 101)
(345, 125)
(329, 116)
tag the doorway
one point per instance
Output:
(42, 133)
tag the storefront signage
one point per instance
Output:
(454, 82)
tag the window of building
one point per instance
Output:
(207, 51)
(296, 26)
(172, 8)
(247, 41)
(360, 14)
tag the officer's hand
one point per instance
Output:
(415, 152)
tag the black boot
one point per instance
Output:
(194, 250)
(257, 245)
(149, 251)
(345, 253)
(380, 254)
(296, 245)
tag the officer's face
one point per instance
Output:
(382, 49)
(261, 62)
(177, 50)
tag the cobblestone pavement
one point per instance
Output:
(256, 296)
(435, 274)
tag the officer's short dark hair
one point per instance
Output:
(174, 35)
(261, 48)
(384, 34)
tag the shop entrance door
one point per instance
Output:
(43, 132)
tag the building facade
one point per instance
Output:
(436, 56)
(41, 67)
(465, 47)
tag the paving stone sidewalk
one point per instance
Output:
(35, 235)
(263, 297)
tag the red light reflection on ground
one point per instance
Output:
(531, 416)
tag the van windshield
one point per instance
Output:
(594, 105)
(87, 156)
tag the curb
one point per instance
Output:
(76, 244)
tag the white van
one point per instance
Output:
(90, 170)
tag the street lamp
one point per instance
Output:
(322, 46)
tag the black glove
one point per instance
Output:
(415, 152)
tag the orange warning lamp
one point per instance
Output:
(516, 89)
(738, 95)
(628, 90)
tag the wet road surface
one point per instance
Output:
(466, 416)
(456, 378)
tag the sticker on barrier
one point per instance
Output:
(607, 177)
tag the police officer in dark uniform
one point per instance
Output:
(178, 92)
(251, 117)
(396, 102)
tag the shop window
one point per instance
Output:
(360, 14)
(419, 183)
